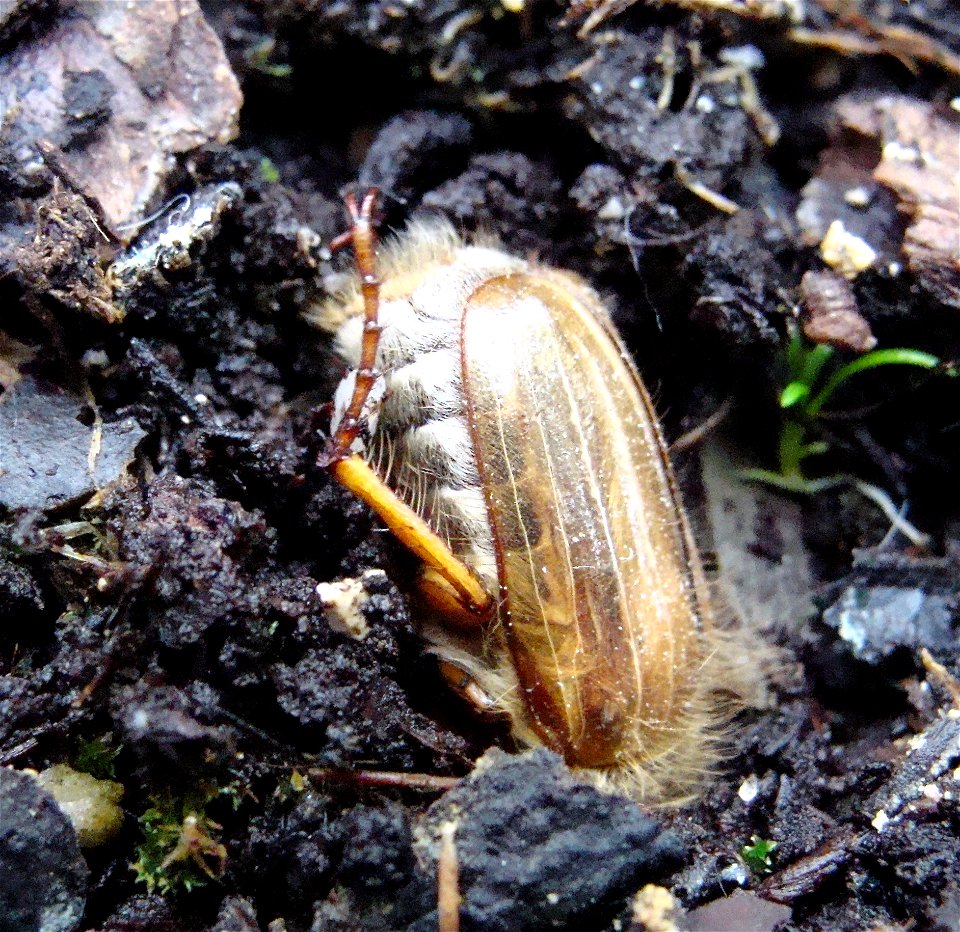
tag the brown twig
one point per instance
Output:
(696, 434)
(424, 782)
(448, 880)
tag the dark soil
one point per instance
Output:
(158, 616)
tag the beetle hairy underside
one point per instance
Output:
(507, 414)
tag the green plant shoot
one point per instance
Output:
(812, 382)
(757, 854)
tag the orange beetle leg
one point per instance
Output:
(451, 584)
(446, 573)
(364, 241)
(442, 597)
(464, 685)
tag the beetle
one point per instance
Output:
(494, 421)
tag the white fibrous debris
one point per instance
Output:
(858, 196)
(748, 57)
(896, 151)
(612, 210)
(191, 220)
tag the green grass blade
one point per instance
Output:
(900, 356)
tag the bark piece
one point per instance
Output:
(831, 314)
(119, 89)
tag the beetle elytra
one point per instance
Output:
(494, 421)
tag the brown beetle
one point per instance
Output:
(494, 421)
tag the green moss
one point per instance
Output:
(757, 854)
(181, 848)
(97, 758)
(268, 171)
(259, 57)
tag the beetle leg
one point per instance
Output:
(364, 241)
(468, 689)
(462, 593)
(443, 597)
(417, 536)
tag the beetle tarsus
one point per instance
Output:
(364, 241)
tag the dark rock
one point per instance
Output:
(16, 15)
(171, 90)
(900, 866)
(947, 914)
(361, 713)
(237, 914)
(502, 191)
(291, 849)
(712, 874)
(46, 699)
(144, 912)
(46, 448)
(203, 553)
(20, 594)
(617, 95)
(377, 885)
(446, 37)
(377, 854)
(410, 150)
(86, 105)
(876, 622)
(737, 283)
(166, 723)
(797, 826)
(350, 691)
(43, 876)
(890, 602)
(538, 849)
(922, 778)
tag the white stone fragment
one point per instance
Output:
(749, 788)
(846, 253)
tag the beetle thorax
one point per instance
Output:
(421, 443)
